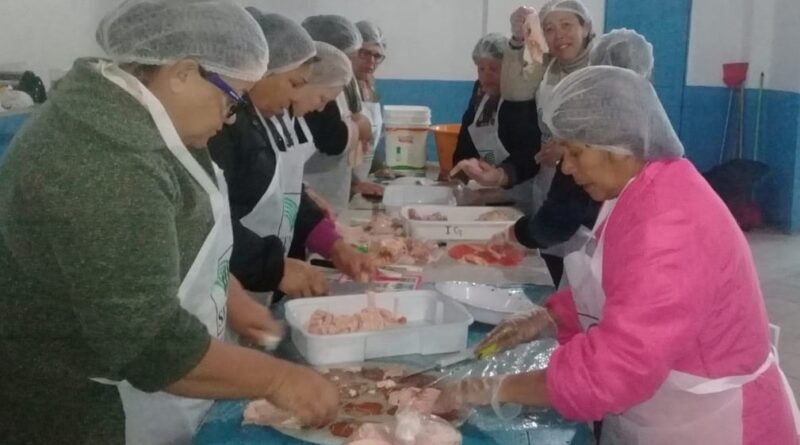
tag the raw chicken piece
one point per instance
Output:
(261, 412)
(421, 400)
(496, 215)
(371, 318)
(483, 255)
(404, 251)
(383, 224)
(535, 43)
(414, 215)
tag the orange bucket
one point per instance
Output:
(446, 139)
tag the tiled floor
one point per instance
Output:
(778, 261)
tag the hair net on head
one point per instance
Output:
(623, 48)
(371, 33)
(333, 68)
(290, 46)
(335, 30)
(219, 34)
(490, 46)
(573, 6)
(615, 109)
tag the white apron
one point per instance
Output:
(687, 409)
(276, 211)
(162, 418)
(486, 139)
(373, 111)
(331, 176)
(544, 178)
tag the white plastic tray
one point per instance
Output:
(436, 325)
(462, 223)
(487, 304)
(395, 197)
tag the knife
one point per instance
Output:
(445, 362)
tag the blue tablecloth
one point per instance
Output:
(223, 424)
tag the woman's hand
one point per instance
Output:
(251, 320)
(482, 172)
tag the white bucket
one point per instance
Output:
(406, 136)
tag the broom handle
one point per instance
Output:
(758, 117)
(725, 130)
(741, 122)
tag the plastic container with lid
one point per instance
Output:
(406, 136)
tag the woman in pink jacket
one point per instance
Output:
(663, 329)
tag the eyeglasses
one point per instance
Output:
(367, 54)
(238, 103)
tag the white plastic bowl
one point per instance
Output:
(487, 304)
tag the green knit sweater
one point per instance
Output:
(99, 224)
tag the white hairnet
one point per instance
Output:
(290, 46)
(333, 68)
(614, 109)
(371, 33)
(335, 30)
(490, 46)
(573, 6)
(623, 48)
(219, 34)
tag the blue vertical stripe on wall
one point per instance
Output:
(666, 25)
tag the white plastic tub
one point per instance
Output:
(462, 223)
(436, 325)
(395, 197)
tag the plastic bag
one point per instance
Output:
(409, 427)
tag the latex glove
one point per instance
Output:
(550, 154)
(468, 393)
(482, 172)
(502, 239)
(518, 18)
(351, 262)
(307, 395)
(300, 280)
(251, 320)
(368, 188)
(327, 209)
(518, 329)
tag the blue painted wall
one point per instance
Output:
(665, 24)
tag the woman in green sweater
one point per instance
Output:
(115, 237)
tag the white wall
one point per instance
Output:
(427, 39)
(763, 33)
(48, 34)
(500, 10)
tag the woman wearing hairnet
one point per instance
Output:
(568, 213)
(663, 330)
(115, 238)
(496, 136)
(365, 62)
(263, 159)
(340, 131)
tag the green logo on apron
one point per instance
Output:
(489, 157)
(290, 208)
(223, 274)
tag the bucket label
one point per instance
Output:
(406, 149)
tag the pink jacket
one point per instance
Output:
(682, 293)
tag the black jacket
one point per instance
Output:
(245, 154)
(518, 130)
(566, 208)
